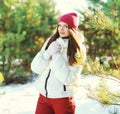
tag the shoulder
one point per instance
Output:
(47, 40)
(81, 37)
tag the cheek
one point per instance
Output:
(67, 33)
(58, 29)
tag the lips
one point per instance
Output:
(62, 33)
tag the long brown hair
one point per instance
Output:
(73, 45)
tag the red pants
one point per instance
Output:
(55, 105)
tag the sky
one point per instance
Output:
(66, 6)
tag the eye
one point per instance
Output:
(66, 26)
(63, 26)
(58, 25)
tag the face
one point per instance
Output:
(63, 29)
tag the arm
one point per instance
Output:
(40, 61)
(63, 71)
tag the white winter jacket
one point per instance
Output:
(56, 78)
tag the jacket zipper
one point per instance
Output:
(64, 87)
(46, 82)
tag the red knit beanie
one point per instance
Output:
(71, 19)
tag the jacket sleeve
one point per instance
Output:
(63, 71)
(40, 61)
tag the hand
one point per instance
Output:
(62, 44)
(53, 48)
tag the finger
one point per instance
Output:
(58, 47)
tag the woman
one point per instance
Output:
(59, 64)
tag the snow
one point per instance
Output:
(22, 99)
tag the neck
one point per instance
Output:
(65, 37)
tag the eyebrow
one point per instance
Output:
(63, 25)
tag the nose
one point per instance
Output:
(61, 28)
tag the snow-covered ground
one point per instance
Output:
(22, 99)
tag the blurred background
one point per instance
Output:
(26, 24)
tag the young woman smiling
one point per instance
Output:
(59, 64)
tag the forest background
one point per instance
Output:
(25, 25)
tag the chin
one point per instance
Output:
(62, 36)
